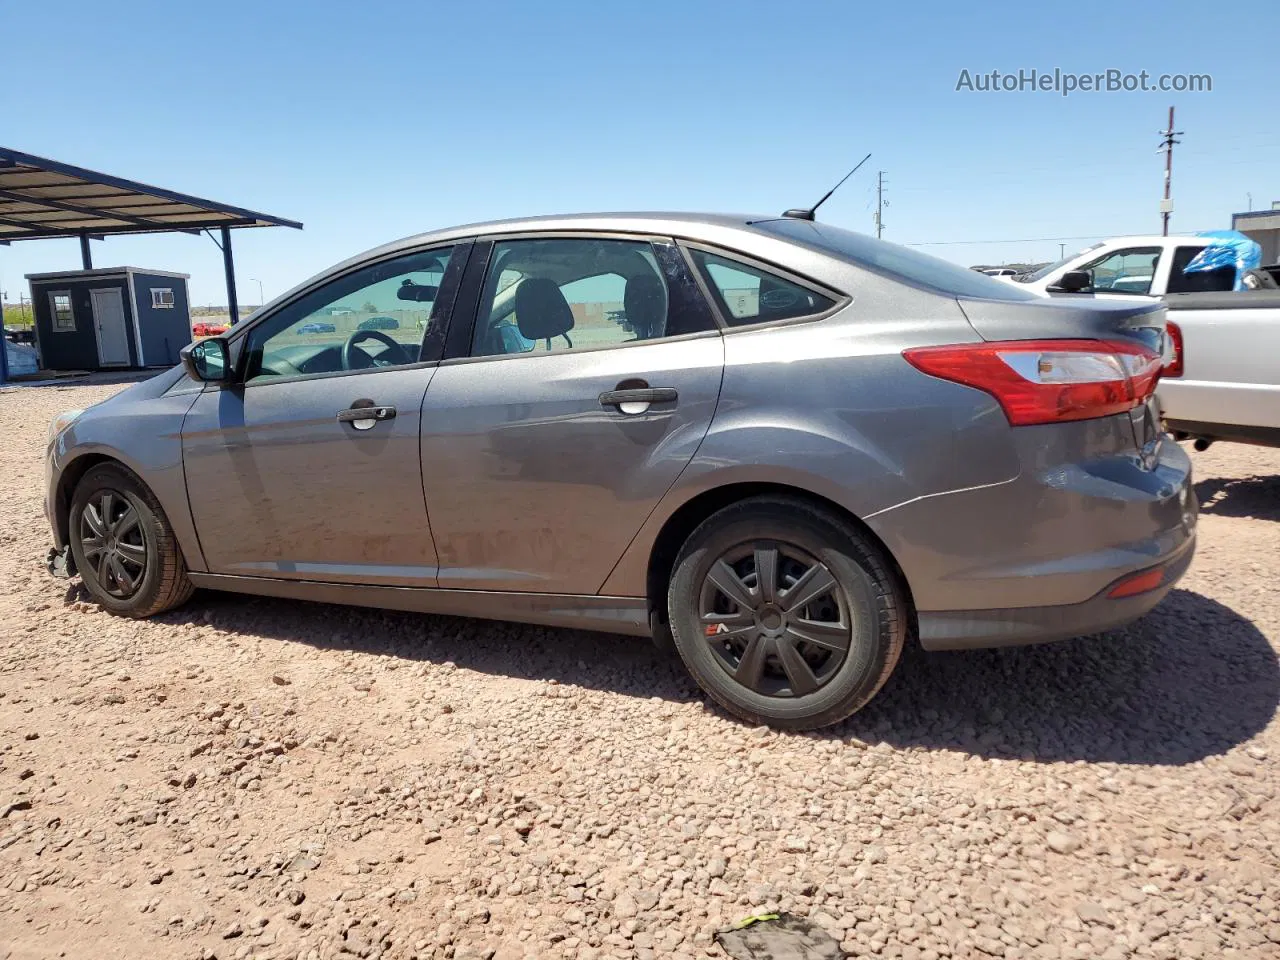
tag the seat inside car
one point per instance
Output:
(644, 302)
(542, 312)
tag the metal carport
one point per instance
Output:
(42, 199)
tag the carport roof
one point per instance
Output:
(41, 199)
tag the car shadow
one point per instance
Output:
(1191, 679)
(1257, 498)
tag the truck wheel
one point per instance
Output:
(123, 546)
(785, 614)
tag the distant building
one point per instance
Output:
(1263, 227)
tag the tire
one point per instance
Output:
(864, 603)
(152, 584)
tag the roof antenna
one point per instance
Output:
(800, 214)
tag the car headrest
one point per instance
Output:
(542, 312)
(645, 303)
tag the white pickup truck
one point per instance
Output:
(1224, 381)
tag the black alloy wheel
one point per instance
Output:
(122, 545)
(786, 613)
(113, 544)
(775, 619)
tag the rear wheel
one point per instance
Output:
(122, 544)
(786, 614)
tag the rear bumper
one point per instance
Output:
(977, 629)
(1084, 511)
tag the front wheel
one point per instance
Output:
(122, 544)
(785, 614)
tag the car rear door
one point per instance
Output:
(308, 467)
(545, 447)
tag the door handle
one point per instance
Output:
(645, 395)
(364, 414)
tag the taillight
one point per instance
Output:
(1045, 381)
(1174, 367)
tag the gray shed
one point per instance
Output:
(110, 318)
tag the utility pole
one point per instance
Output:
(1167, 143)
(1062, 251)
(881, 203)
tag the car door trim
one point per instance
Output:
(627, 345)
(625, 615)
(466, 306)
(331, 374)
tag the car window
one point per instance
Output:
(561, 294)
(375, 317)
(750, 295)
(1130, 270)
(1202, 281)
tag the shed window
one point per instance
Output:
(162, 298)
(64, 316)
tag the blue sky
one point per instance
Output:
(369, 122)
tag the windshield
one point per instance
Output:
(919, 269)
(1049, 268)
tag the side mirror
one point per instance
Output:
(1073, 281)
(207, 360)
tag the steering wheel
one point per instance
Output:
(394, 355)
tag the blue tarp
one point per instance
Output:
(1230, 248)
(22, 359)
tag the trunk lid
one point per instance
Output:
(1067, 318)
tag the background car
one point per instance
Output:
(202, 328)
(317, 326)
(379, 323)
(810, 447)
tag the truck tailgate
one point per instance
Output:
(1230, 357)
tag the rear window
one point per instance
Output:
(918, 269)
(1202, 281)
(748, 294)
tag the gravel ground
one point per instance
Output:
(249, 777)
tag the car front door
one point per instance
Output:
(308, 466)
(589, 377)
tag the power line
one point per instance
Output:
(951, 243)
(1088, 236)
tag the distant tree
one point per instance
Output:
(369, 307)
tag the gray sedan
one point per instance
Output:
(804, 449)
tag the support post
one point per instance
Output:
(229, 265)
(4, 350)
(85, 256)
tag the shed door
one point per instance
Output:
(113, 332)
